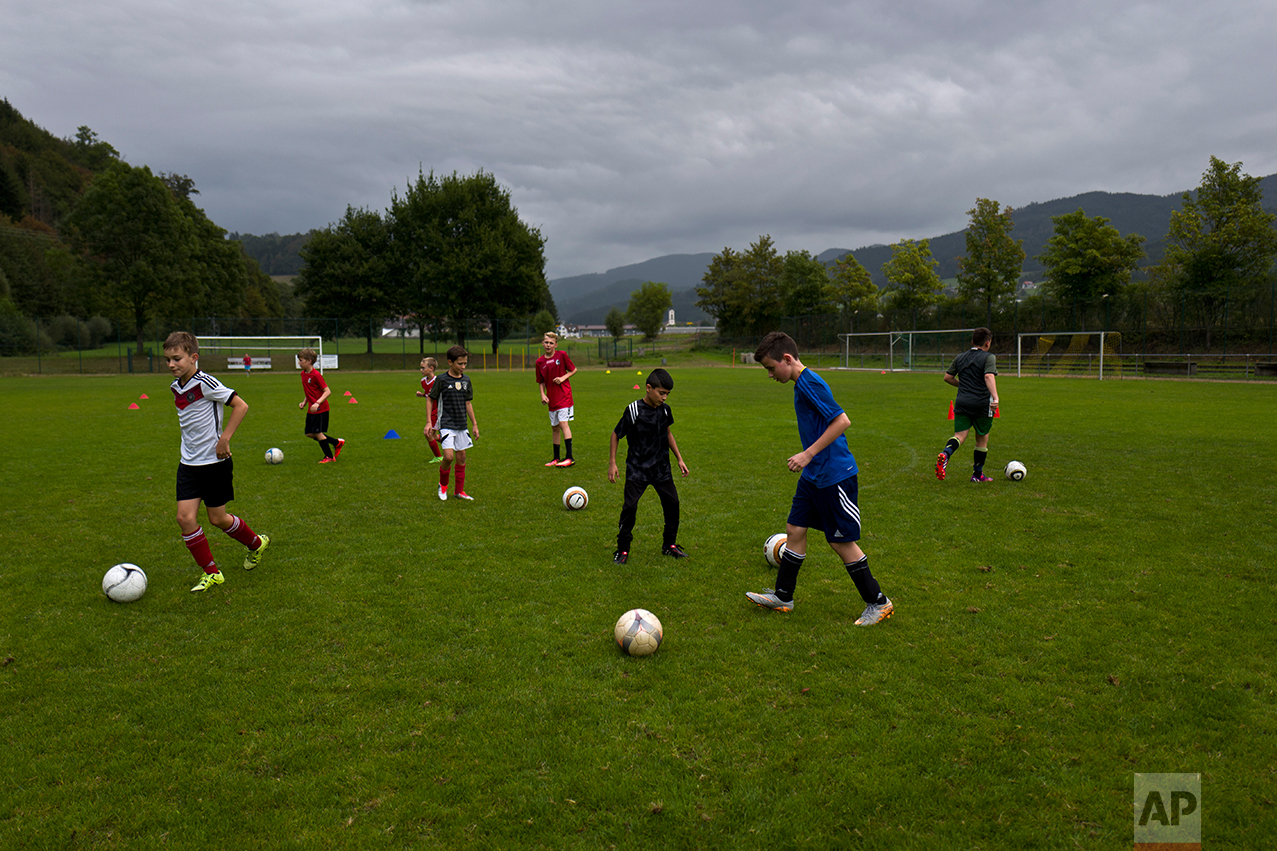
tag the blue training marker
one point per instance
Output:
(391, 435)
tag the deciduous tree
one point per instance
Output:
(1088, 258)
(648, 307)
(912, 270)
(136, 242)
(346, 272)
(991, 267)
(742, 291)
(465, 254)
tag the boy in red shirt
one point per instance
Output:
(553, 370)
(428, 367)
(316, 407)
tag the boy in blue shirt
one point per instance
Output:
(826, 498)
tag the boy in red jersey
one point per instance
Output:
(205, 473)
(316, 407)
(553, 370)
(428, 367)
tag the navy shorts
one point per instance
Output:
(317, 423)
(212, 483)
(832, 510)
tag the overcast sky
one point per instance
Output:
(625, 131)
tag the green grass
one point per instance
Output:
(402, 672)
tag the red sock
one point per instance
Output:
(434, 447)
(461, 478)
(443, 477)
(198, 545)
(239, 531)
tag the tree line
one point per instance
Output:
(1220, 246)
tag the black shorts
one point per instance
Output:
(317, 423)
(212, 483)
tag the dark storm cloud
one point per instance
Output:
(625, 131)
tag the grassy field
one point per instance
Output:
(406, 673)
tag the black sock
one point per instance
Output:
(858, 570)
(327, 445)
(951, 447)
(979, 456)
(556, 452)
(567, 447)
(787, 575)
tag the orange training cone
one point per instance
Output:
(950, 409)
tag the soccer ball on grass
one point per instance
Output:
(774, 548)
(124, 583)
(274, 456)
(638, 632)
(1015, 471)
(575, 498)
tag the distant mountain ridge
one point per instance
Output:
(586, 299)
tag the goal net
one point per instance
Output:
(904, 351)
(1082, 354)
(265, 352)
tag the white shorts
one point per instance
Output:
(456, 439)
(562, 415)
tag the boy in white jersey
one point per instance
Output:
(205, 472)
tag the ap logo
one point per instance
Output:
(1168, 811)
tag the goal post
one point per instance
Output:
(1080, 354)
(904, 351)
(266, 346)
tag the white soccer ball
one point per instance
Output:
(124, 583)
(1015, 471)
(575, 498)
(638, 632)
(774, 548)
(274, 456)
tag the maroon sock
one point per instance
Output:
(434, 447)
(239, 531)
(198, 545)
(443, 477)
(461, 478)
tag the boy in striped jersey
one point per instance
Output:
(645, 425)
(205, 473)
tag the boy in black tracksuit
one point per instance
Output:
(646, 427)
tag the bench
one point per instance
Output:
(1169, 367)
(238, 363)
(1266, 369)
(619, 363)
(747, 357)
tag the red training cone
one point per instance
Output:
(144, 396)
(133, 406)
(352, 401)
(996, 414)
(950, 409)
(348, 393)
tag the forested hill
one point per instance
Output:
(277, 255)
(42, 176)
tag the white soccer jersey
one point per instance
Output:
(201, 413)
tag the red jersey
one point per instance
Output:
(426, 384)
(550, 367)
(314, 386)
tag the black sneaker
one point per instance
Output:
(619, 557)
(673, 551)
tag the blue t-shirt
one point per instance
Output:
(814, 403)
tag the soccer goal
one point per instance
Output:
(264, 352)
(1081, 354)
(904, 351)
